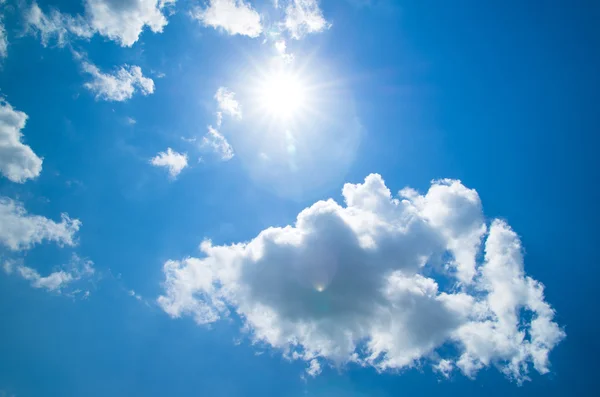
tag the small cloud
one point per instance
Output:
(3, 41)
(314, 368)
(281, 48)
(189, 140)
(18, 162)
(218, 144)
(21, 231)
(444, 367)
(232, 16)
(227, 104)
(118, 86)
(134, 295)
(172, 160)
(76, 270)
(303, 17)
(130, 121)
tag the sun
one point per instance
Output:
(282, 95)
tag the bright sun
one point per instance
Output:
(282, 95)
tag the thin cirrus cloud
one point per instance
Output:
(218, 144)
(55, 26)
(118, 86)
(175, 162)
(18, 162)
(235, 17)
(213, 140)
(20, 230)
(76, 270)
(365, 282)
(121, 21)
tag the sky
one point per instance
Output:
(298, 198)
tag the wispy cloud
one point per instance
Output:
(20, 230)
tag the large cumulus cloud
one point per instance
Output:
(381, 281)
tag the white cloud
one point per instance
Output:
(233, 16)
(76, 270)
(304, 16)
(120, 20)
(124, 20)
(55, 25)
(133, 294)
(17, 161)
(174, 161)
(218, 144)
(20, 230)
(314, 368)
(280, 46)
(227, 103)
(444, 367)
(3, 41)
(368, 283)
(119, 86)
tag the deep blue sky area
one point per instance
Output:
(502, 95)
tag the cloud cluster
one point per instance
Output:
(118, 86)
(21, 231)
(17, 161)
(382, 281)
(237, 17)
(76, 270)
(120, 20)
(172, 160)
(233, 16)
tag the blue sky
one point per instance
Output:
(298, 198)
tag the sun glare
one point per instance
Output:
(282, 95)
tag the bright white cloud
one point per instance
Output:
(172, 160)
(382, 281)
(217, 143)
(119, 86)
(233, 16)
(280, 46)
(124, 20)
(17, 161)
(304, 16)
(227, 103)
(76, 270)
(20, 230)
(120, 20)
